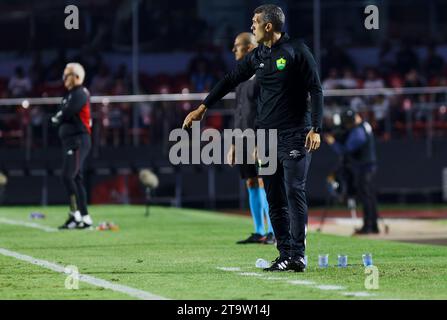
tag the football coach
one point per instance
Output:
(74, 122)
(291, 101)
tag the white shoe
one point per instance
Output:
(85, 223)
(77, 216)
(87, 220)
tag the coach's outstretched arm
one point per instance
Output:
(241, 73)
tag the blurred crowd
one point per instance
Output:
(401, 67)
(118, 123)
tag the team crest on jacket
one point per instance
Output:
(281, 63)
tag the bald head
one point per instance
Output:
(243, 44)
(247, 38)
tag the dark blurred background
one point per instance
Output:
(164, 47)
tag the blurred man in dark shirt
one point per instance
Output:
(359, 153)
(244, 118)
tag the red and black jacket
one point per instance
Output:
(76, 116)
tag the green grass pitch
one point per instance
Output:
(175, 253)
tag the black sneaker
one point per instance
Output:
(279, 264)
(70, 224)
(86, 223)
(254, 238)
(287, 264)
(270, 238)
(298, 265)
(83, 225)
(73, 221)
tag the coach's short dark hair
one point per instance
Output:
(273, 14)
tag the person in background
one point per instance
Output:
(75, 127)
(359, 150)
(246, 104)
(19, 85)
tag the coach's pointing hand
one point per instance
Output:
(312, 141)
(194, 115)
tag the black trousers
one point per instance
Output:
(286, 193)
(366, 194)
(247, 169)
(75, 151)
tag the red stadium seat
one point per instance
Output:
(214, 121)
(395, 80)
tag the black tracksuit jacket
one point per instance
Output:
(75, 119)
(290, 90)
(246, 105)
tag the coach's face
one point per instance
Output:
(240, 48)
(260, 28)
(69, 78)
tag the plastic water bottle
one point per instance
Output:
(367, 259)
(36, 215)
(262, 264)
(323, 260)
(342, 261)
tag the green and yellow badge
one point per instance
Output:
(281, 63)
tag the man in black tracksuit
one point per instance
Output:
(74, 121)
(287, 75)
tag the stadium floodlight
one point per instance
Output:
(150, 182)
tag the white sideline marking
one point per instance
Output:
(229, 268)
(251, 274)
(358, 294)
(274, 278)
(301, 282)
(27, 224)
(136, 293)
(311, 284)
(330, 287)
